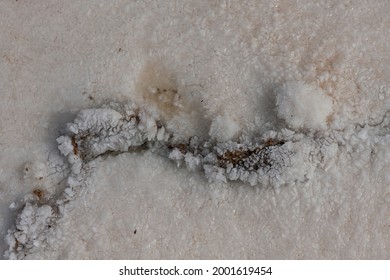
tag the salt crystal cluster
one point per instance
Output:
(31, 225)
(232, 161)
(278, 158)
(124, 127)
(304, 106)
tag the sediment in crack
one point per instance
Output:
(276, 158)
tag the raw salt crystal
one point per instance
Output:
(150, 128)
(160, 134)
(209, 171)
(252, 179)
(73, 181)
(176, 155)
(73, 128)
(65, 145)
(192, 162)
(69, 192)
(233, 174)
(220, 175)
(244, 175)
(21, 237)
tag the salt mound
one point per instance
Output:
(223, 128)
(304, 106)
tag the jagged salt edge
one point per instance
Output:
(34, 223)
(115, 128)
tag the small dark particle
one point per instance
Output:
(40, 178)
(90, 97)
(26, 169)
(120, 49)
(201, 101)
(135, 231)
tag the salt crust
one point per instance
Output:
(278, 158)
(304, 106)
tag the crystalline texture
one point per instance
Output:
(117, 128)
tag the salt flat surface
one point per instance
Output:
(217, 70)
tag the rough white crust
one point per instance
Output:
(304, 106)
(277, 158)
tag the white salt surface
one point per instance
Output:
(304, 106)
(223, 70)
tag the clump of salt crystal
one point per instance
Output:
(304, 106)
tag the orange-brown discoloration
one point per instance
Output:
(39, 193)
(75, 145)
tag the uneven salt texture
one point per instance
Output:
(304, 106)
(165, 223)
(231, 59)
(288, 159)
